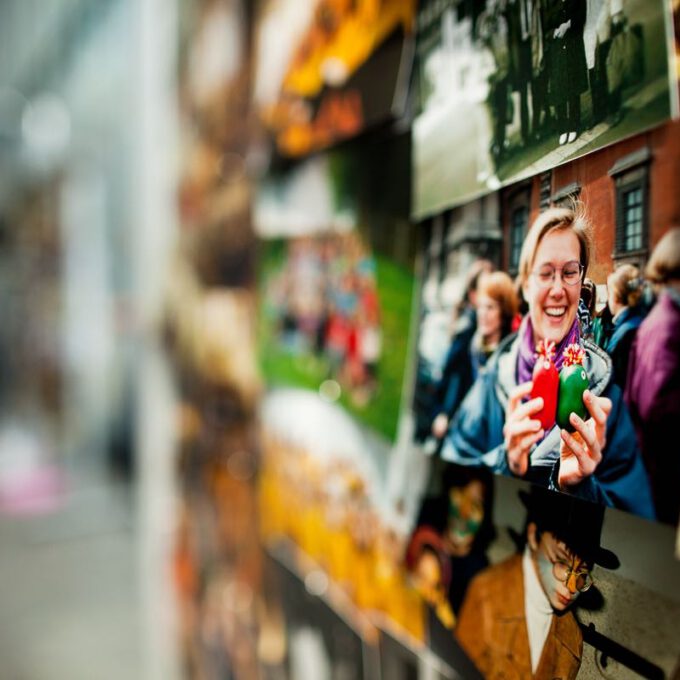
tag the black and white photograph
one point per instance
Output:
(509, 88)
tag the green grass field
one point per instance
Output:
(280, 367)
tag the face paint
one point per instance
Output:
(463, 525)
(466, 513)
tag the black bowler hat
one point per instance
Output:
(576, 522)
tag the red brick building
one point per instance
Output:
(630, 189)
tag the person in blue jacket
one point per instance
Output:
(496, 305)
(624, 289)
(496, 425)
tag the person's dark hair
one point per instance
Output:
(523, 308)
(478, 268)
(589, 296)
(577, 523)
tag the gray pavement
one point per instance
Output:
(86, 592)
(69, 604)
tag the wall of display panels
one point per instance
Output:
(468, 265)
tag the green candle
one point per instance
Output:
(573, 383)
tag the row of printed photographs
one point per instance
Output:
(496, 574)
(399, 337)
(338, 298)
(367, 356)
(501, 89)
(389, 538)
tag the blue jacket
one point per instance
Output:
(476, 435)
(621, 341)
(457, 374)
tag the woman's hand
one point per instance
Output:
(521, 431)
(581, 452)
(439, 425)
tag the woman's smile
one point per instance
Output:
(556, 312)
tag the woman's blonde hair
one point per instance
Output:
(626, 284)
(500, 288)
(556, 219)
(664, 264)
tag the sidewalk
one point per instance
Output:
(69, 602)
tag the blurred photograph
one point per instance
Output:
(510, 88)
(336, 294)
(325, 305)
(455, 524)
(326, 70)
(541, 584)
(325, 509)
(536, 589)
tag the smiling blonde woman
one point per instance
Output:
(497, 425)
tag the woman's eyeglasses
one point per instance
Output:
(570, 274)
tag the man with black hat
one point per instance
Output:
(516, 619)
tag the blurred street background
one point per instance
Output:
(88, 153)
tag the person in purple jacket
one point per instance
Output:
(653, 385)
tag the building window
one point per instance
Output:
(545, 189)
(518, 227)
(631, 184)
(631, 212)
(632, 222)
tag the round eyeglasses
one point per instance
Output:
(570, 274)
(582, 578)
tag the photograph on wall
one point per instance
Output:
(325, 511)
(544, 585)
(509, 88)
(548, 345)
(336, 279)
(327, 70)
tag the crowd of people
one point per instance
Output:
(326, 304)
(617, 454)
(548, 53)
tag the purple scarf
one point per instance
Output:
(527, 349)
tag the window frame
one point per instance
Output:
(516, 246)
(635, 179)
(631, 173)
(519, 199)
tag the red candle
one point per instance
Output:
(546, 381)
